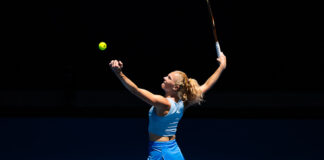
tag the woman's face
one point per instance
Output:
(169, 82)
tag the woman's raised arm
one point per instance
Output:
(214, 77)
(148, 97)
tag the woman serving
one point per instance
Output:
(181, 92)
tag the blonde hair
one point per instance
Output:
(189, 89)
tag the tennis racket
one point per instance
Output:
(218, 50)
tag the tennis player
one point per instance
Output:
(181, 92)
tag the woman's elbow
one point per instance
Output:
(203, 88)
(133, 90)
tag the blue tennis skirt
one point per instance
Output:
(164, 151)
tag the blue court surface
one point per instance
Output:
(126, 138)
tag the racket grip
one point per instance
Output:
(218, 50)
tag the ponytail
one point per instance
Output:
(189, 90)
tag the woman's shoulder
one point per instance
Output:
(164, 103)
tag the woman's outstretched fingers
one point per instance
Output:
(120, 64)
(111, 63)
(116, 65)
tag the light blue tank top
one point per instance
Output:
(167, 125)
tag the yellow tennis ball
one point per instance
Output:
(102, 46)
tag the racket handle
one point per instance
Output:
(218, 50)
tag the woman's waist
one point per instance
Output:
(157, 138)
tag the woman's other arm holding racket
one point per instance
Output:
(214, 77)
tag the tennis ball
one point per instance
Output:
(102, 46)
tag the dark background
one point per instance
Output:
(270, 45)
(50, 56)
(59, 99)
